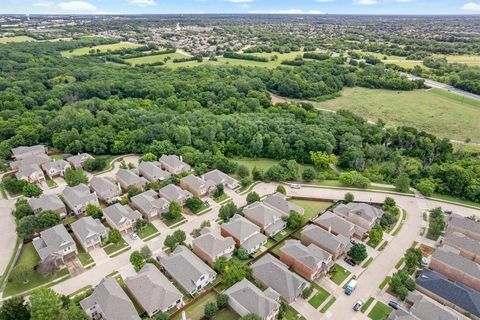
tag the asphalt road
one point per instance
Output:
(443, 86)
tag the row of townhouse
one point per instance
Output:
(33, 163)
(453, 277)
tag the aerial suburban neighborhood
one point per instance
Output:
(266, 163)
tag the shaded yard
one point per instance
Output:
(196, 310)
(338, 274)
(312, 207)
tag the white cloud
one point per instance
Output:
(287, 11)
(79, 6)
(143, 3)
(365, 2)
(44, 4)
(471, 6)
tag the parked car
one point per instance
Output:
(424, 261)
(353, 241)
(394, 305)
(295, 186)
(208, 202)
(133, 236)
(359, 304)
(350, 261)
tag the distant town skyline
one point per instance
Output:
(378, 7)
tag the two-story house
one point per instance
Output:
(55, 168)
(130, 179)
(246, 234)
(191, 273)
(78, 197)
(79, 160)
(48, 202)
(174, 164)
(173, 193)
(210, 246)
(89, 232)
(121, 217)
(197, 186)
(149, 204)
(152, 171)
(106, 189)
(268, 219)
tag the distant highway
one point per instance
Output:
(443, 86)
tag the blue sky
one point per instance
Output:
(243, 6)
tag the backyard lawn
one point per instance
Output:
(113, 248)
(339, 274)
(312, 207)
(380, 311)
(292, 314)
(319, 297)
(23, 277)
(196, 310)
(226, 314)
(149, 230)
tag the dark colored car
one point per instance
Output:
(350, 261)
(394, 305)
(353, 241)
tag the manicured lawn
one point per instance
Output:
(84, 257)
(328, 305)
(149, 230)
(339, 274)
(453, 199)
(263, 164)
(50, 183)
(312, 208)
(399, 263)
(380, 311)
(16, 39)
(270, 243)
(226, 314)
(441, 113)
(384, 282)
(102, 48)
(367, 263)
(169, 223)
(30, 278)
(292, 314)
(319, 297)
(10, 262)
(276, 250)
(196, 310)
(221, 198)
(112, 248)
(366, 305)
(156, 58)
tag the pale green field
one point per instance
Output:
(438, 112)
(248, 63)
(467, 59)
(16, 39)
(156, 58)
(103, 48)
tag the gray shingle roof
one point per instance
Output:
(240, 228)
(46, 202)
(218, 177)
(79, 159)
(26, 170)
(311, 256)
(280, 203)
(173, 161)
(31, 160)
(112, 300)
(250, 299)
(87, 228)
(104, 186)
(57, 165)
(120, 214)
(253, 241)
(78, 195)
(464, 223)
(152, 171)
(196, 183)
(454, 292)
(52, 240)
(275, 274)
(334, 243)
(213, 243)
(261, 213)
(336, 223)
(458, 262)
(426, 309)
(18, 152)
(185, 267)
(152, 289)
(462, 241)
(130, 177)
(364, 210)
(148, 201)
(172, 192)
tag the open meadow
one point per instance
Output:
(16, 39)
(444, 114)
(102, 48)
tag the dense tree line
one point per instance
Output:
(208, 113)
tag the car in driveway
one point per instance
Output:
(353, 241)
(394, 305)
(350, 261)
(133, 236)
(358, 304)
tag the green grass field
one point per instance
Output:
(102, 48)
(467, 59)
(156, 58)
(312, 208)
(112, 248)
(319, 297)
(339, 274)
(16, 39)
(441, 113)
(196, 310)
(149, 230)
(380, 311)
